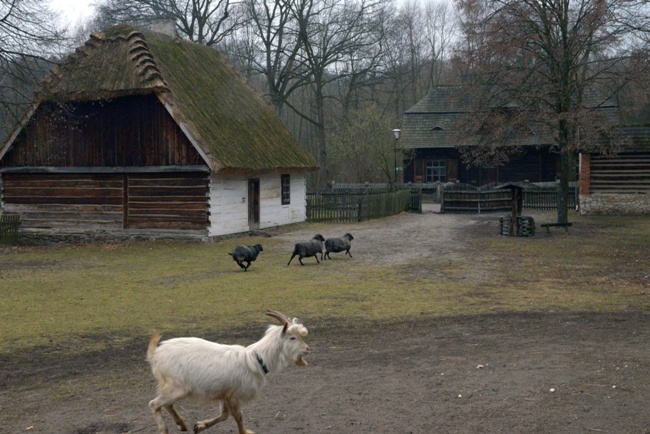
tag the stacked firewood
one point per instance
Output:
(525, 226)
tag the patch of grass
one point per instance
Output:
(71, 294)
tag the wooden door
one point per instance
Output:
(452, 170)
(254, 203)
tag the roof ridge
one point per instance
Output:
(143, 60)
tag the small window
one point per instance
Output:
(285, 181)
(436, 170)
(436, 129)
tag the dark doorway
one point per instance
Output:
(254, 203)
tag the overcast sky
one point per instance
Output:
(72, 11)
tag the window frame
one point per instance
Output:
(437, 169)
(285, 189)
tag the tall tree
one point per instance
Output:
(29, 44)
(557, 62)
(417, 51)
(276, 55)
(331, 31)
(439, 33)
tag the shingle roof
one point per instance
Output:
(442, 99)
(433, 121)
(231, 124)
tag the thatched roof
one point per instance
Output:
(229, 123)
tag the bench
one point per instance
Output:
(9, 227)
(561, 225)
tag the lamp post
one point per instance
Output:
(396, 133)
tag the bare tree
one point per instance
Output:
(439, 33)
(549, 65)
(30, 43)
(417, 51)
(275, 55)
(202, 21)
(331, 31)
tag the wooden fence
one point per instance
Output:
(501, 200)
(546, 198)
(355, 207)
(9, 227)
(354, 203)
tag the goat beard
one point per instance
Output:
(300, 361)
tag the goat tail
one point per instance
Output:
(153, 343)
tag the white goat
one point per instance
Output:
(231, 374)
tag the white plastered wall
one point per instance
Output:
(229, 203)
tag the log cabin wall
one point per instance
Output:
(534, 165)
(176, 201)
(625, 173)
(64, 201)
(617, 185)
(167, 201)
(121, 164)
(133, 131)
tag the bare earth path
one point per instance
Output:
(501, 373)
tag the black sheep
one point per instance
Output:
(246, 254)
(309, 248)
(337, 245)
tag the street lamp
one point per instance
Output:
(396, 133)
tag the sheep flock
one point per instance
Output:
(244, 255)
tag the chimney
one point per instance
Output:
(166, 26)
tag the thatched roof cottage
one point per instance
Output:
(138, 130)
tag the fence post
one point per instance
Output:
(359, 208)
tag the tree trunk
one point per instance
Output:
(563, 188)
(323, 173)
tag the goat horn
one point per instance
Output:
(277, 315)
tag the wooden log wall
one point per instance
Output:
(65, 200)
(167, 201)
(133, 131)
(86, 202)
(625, 173)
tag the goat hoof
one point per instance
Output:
(198, 428)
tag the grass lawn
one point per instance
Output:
(72, 294)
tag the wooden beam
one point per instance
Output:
(110, 170)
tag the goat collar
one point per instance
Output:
(261, 362)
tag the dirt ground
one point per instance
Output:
(500, 373)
